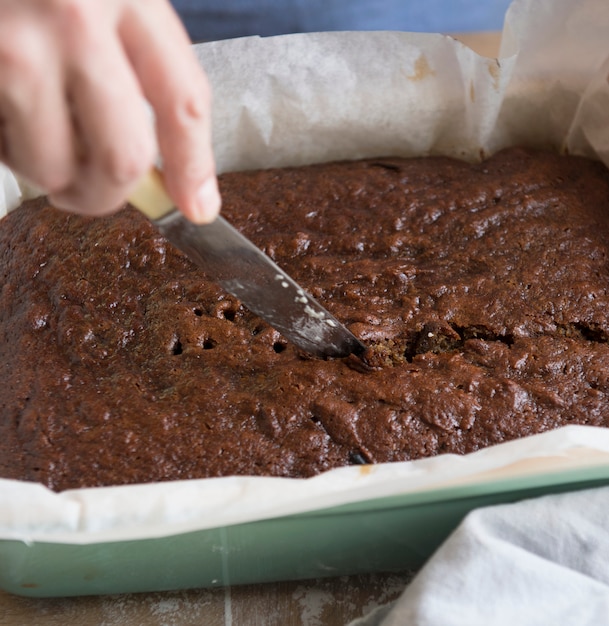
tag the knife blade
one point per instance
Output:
(244, 271)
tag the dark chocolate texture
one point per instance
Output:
(482, 292)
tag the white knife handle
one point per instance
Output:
(150, 196)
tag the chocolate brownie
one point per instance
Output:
(480, 290)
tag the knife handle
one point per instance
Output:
(150, 197)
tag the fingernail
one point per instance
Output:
(207, 205)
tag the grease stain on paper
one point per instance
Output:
(494, 69)
(421, 68)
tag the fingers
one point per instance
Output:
(114, 136)
(35, 126)
(73, 77)
(175, 85)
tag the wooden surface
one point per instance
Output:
(486, 44)
(305, 603)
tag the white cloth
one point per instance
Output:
(538, 562)
(10, 193)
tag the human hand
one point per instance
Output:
(74, 75)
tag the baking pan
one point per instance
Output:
(386, 534)
(370, 94)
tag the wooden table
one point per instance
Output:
(304, 603)
(486, 44)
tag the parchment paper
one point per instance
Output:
(298, 99)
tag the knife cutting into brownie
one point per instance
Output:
(244, 271)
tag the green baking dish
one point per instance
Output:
(392, 532)
(386, 534)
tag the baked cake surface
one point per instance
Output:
(480, 290)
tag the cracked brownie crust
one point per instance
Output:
(480, 290)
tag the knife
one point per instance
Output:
(244, 271)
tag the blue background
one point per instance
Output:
(222, 19)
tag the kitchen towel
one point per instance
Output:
(540, 561)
